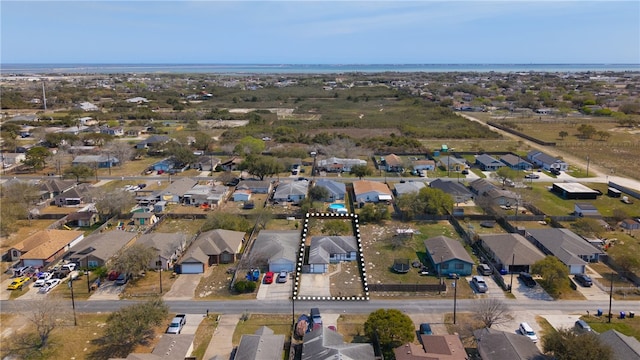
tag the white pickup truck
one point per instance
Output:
(177, 323)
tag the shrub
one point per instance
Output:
(244, 286)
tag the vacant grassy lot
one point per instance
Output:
(149, 285)
(629, 327)
(185, 226)
(352, 328)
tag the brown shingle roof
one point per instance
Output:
(45, 243)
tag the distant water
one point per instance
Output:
(26, 69)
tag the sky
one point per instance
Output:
(320, 32)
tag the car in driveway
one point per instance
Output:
(18, 283)
(527, 279)
(268, 277)
(425, 329)
(583, 279)
(526, 330)
(480, 284)
(282, 277)
(49, 285)
(582, 326)
(42, 278)
(122, 279)
(532, 176)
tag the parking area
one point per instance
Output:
(520, 291)
(493, 289)
(275, 291)
(108, 290)
(315, 285)
(436, 321)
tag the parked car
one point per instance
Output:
(532, 176)
(527, 279)
(315, 316)
(282, 276)
(42, 278)
(425, 329)
(526, 330)
(465, 172)
(484, 269)
(69, 266)
(113, 275)
(177, 323)
(21, 271)
(480, 284)
(582, 326)
(49, 285)
(18, 283)
(583, 279)
(122, 279)
(268, 277)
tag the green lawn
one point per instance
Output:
(629, 327)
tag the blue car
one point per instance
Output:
(425, 329)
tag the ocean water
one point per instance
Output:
(26, 69)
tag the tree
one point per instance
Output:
(554, 273)
(36, 157)
(227, 221)
(492, 311)
(181, 153)
(16, 199)
(318, 193)
(203, 141)
(361, 171)
(390, 327)
(336, 227)
(374, 213)
(134, 259)
(249, 145)
(587, 131)
(627, 262)
(505, 173)
(132, 325)
(563, 134)
(603, 135)
(566, 344)
(80, 172)
(119, 150)
(114, 202)
(587, 227)
(261, 166)
(437, 202)
(410, 205)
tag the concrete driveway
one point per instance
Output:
(221, 343)
(493, 289)
(107, 291)
(520, 291)
(315, 285)
(275, 291)
(184, 287)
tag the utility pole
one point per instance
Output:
(455, 298)
(73, 302)
(610, 296)
(513, 260)
(588, 165)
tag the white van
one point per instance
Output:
(527, 331)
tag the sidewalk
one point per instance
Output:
(221, 342)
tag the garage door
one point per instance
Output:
(191, 268)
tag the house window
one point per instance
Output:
(92, 264)
(459, 266)
(445, 266)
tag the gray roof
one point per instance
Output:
(481, 185)
(179, 187)
(564, 244)
(446, 248)
(451, 160)
(409, 187)
(91, 159)
(450, 187)
(277, 244)
(102, 245)
(254, 184)
(216, 242)
(173, 347)
(488, 160)
(322, 247)
(295, 188)
(335, 187)
(505, 246)
(543, 157)
(263, 345)
(324, 344)
(512, 160)
(165, 243)
(624, 347)
(500, 345)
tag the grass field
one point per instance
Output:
(627, 326)
(280, 324)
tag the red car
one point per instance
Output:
(268, 277)
(113, 275)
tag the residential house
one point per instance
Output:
(75, 196)
(337, 165)
(568, 247)
(624, 347)
(278, 248)
(511, 252)
(630, 224)
(336, 189)
(545, 161)
(205, 194)
(211, 248)
(256, 186)
(452, 163)
(433, 347)
(392, 163)
(502, 345)
(87, 106)
(113, 131)
(325, 250)
(134, 131)
(98, 248)
(153, 141)
(137, 100)
(164, 165)
(12, 158)
(143, 218)
(488, 163)
(293, 192)
(262, 345)
(411, 187)
(323, 343)
(371, 191)
(101, 161)
(87, 121)
(83, 218)
(516, 162)
(458, 192)
(240, 195)
(206, 163)
(174, 193)
(486, 191)
(169, 247)
(231, 164)
(419, 165)
(448, 256)
(586, 210)
(44, 246)
(168, 347)
(51, 188)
